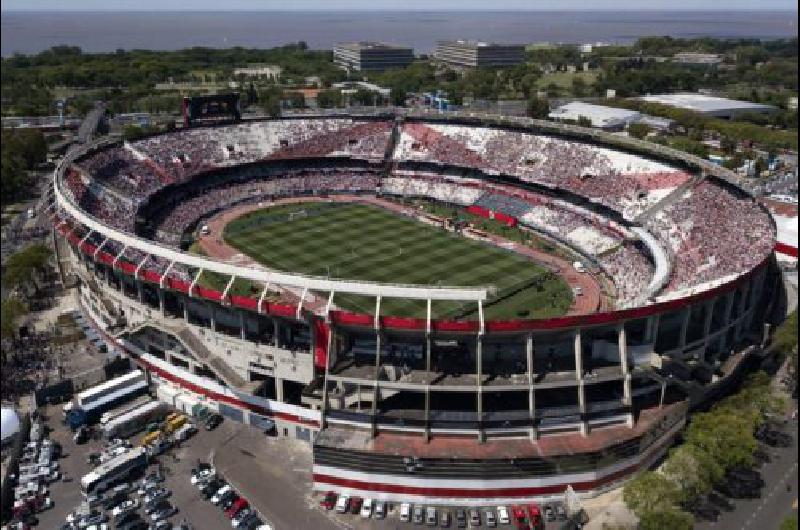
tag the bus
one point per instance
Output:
(124, 409)
(135, 420)
(92, 403)
(113, 471)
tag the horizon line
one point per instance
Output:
(390, 10)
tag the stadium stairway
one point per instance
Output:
(670, 199)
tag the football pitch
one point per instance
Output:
(364, 242)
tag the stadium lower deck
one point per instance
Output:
(684, 258)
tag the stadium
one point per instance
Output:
(450, 308)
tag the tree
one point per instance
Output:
(328, 99)
(650, 491)
(583, 121)
(726, 436)
(23, 266)
(538, 108)
(579, 87)
(789, 523)
(659, 520)
(693, 471)
(638, 130)
(11, 309)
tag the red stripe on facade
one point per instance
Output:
(464, 493)
(788, 250)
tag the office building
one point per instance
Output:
(371, 56)
(470, 54)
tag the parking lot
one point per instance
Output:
(273, 474)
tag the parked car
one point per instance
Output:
(237, 506)
(366, 508)
(461, 518)
(164, 513)
(380, 509)
(405, 512)
(208, 489)
(491, 520)
(431, 517)
(502, 515)
(217, 497)
(343, 504)
(202, 476)
(355, 505)
(417, 516)
(561, 511)
(239, 518)
(228, 500)
(520, 518)
(153, 507)
(328, 501)
(124, 507)
(156, 494)
(474, 517)
(213, 422)
(549, 513)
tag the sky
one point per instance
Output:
(456, 5)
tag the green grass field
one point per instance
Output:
(356, 241)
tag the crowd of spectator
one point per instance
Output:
(713, 233)
(187, 212)
(625, 183)
(710, 232)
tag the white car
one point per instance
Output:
(125, 507)
(342, 503)
(220, 492)
(101, 526)
(203, 476)
(405, 512)
(502, 515)
(366, 508)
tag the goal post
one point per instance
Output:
(297, 215)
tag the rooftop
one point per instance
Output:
(370, 45)
(704, 103)
(599, 115)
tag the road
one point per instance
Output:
(776, 501)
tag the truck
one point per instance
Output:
(124, 408)
(135, 420)
(90, 404)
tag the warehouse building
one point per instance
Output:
(472, 54)
(710, 105)
(371, 56)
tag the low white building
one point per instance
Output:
(267, 71)
(602, 117)
(710, 105)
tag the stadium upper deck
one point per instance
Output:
(590, 197)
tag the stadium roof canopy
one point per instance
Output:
(710, 105)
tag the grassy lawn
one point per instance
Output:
(355, 241)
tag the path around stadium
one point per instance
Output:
(215, 246)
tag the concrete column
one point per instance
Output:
(740, 314)
(427, 432)
(161, 303)
(709, 316)
(279, 389)
(242, 326)
(622, 342)
(212, 317)
(687, 314)
(186, 310)
(726, 321)
(375, 395)
(275, 330)
(140, 292)
(651, 333)
(534, 432)
(579, 378)
(479, 374)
